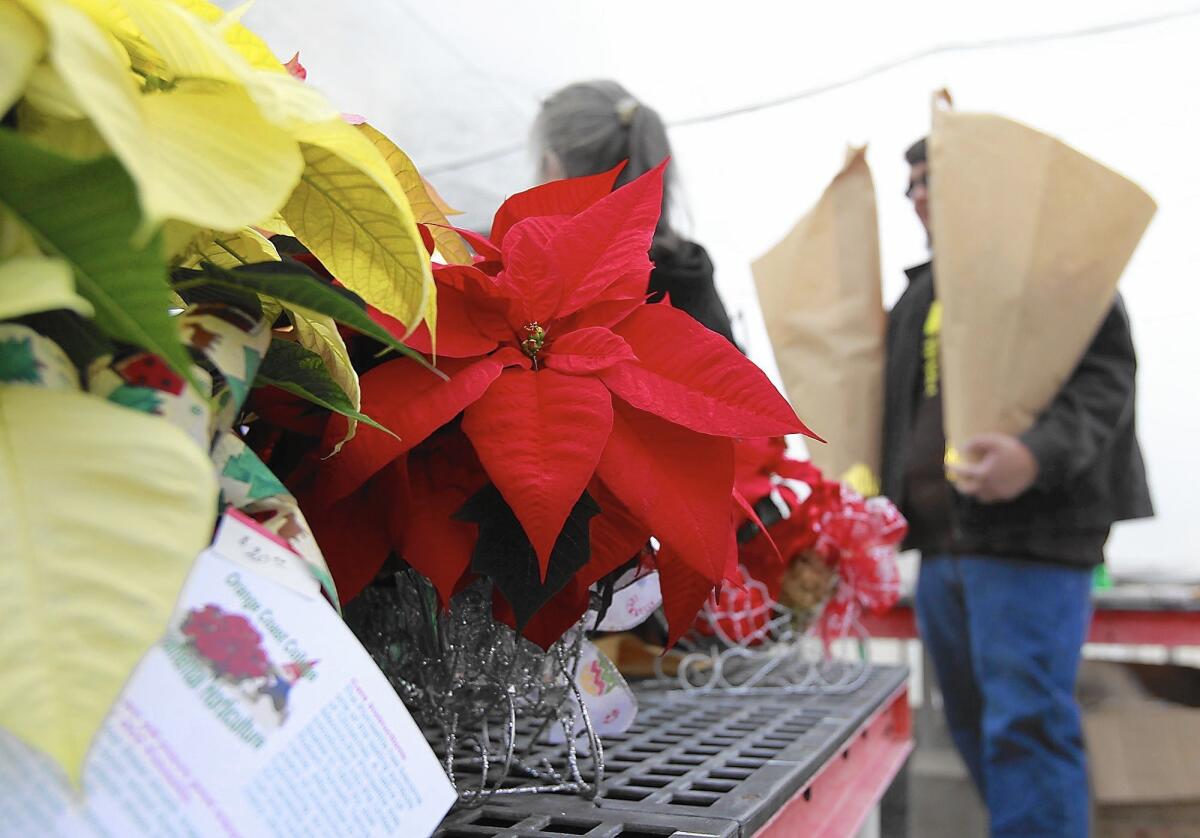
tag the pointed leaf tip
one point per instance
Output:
(517, 429)
(693, 377)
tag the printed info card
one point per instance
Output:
(258, 713)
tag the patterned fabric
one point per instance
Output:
(28, 358)
(232, 344)
(247, 484)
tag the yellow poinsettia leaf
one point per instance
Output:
(424, 207)
(271, 308)
(22, 42)
(46, 93)
(275, 226)
(103, 510)
(350, 212)
(215, 162)
(248, 45)
(74, 138)
(228, 250)
(186, 45)
(429, 318)
(199, 153)
(29, 284)
(179, 238)
(112, 17)
(50, 115)
(319, 334)
(194, 49)
(345, 140)
(286, 101)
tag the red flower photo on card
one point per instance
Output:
(228, 642)
(231, 648)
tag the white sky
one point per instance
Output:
(452, 80)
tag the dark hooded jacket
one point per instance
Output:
(1090, 468)
(685, 274)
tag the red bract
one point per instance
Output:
(295, 68)
(566, 380)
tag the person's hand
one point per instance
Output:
(994, 468)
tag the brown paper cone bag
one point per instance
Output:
(820, 294)
(1029, 240)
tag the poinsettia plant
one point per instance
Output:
(136, 315)
(838, 548)
(575, 420)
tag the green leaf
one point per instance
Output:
(318, 333)
(503, 552)
(289, 366)
(93, 230)
(240, 298)
(295, 285)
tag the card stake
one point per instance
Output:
(241, 540)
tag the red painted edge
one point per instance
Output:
(1109, 625)
(838, 798)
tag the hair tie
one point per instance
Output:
(625, 110)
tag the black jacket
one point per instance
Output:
(1090, 474)
(686, 274)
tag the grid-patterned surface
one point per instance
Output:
(709, 765)
(580, 818)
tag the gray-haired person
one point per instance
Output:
(589, 127)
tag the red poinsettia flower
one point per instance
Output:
(567, 380)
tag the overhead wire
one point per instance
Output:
(875, 70)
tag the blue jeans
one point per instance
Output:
(1005, 637)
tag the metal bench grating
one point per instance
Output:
(693, 765)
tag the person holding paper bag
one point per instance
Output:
(1043, 457)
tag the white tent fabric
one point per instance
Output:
(458, 83)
